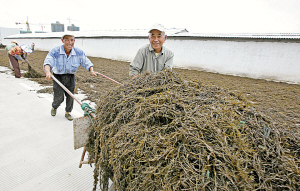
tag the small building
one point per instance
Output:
(39, 32)
(57, 27)
(24, 32)
(73, 28)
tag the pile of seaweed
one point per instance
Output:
(160, 132)
(46, 90)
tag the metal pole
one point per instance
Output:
(61, 85)
(108, 78)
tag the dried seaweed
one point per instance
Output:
(32, 73)
(159, 132)
(46, 90)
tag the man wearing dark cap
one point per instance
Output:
(153, 57)
(64, 61)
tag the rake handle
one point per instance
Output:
(68, 91)
(108, 78)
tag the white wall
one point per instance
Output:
(4, 32)
(112, 48)
(266, 60)
(272, 60)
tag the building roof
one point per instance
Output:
(244, 35)
(102, 33)
(172, 32)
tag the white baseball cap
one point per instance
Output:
(68, 34)
(157, 26)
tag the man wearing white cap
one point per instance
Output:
(153, 57)
(64, 61)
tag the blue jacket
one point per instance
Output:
(61, 64)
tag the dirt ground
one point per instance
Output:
(279, 101)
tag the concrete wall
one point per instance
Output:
(256, 58)
(4, 32)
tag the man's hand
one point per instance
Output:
(48, 76)
(25, 61)
(48, 73)
(134, 76)
(92, 71)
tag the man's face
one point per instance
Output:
(68, 42)
(157, 39)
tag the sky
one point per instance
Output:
(197, 16)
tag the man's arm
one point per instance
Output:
(136, 65)
(49, 63)
(17, 57)
(48, 72)
(133, 71)
(87, 64)
(169, 63)
(24, 58)
(47, 66)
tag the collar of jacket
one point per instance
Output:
(152, 49)
(62, 50)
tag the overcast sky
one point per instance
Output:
(197, 16)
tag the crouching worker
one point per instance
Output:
(15, 54)
(64, 61)
(153, 57)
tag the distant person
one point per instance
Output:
(32, 46)
(64, 61)
(11, 45)
(153, 57)
(17, 53)
(7, 48)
